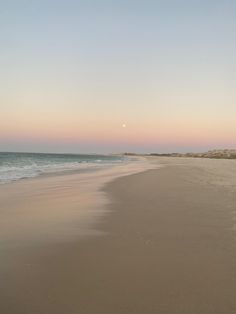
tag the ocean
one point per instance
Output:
(16, 166)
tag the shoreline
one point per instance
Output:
(168, 246)
(59, 206)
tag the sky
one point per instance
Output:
(113, 76)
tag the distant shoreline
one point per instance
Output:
(215, 154)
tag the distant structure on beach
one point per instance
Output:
(216, 153)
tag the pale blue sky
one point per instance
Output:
(73, 71)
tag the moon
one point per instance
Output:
(123, 125)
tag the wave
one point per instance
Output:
(16, 166)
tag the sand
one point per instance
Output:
(165, 243)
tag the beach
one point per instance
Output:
(159, 238)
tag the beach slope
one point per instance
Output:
(167, 246)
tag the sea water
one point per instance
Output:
(16, 166)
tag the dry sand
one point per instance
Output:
(167, 245)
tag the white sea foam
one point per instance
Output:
(16, 166)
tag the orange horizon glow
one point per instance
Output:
(144, 138)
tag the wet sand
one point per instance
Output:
(167, 244)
